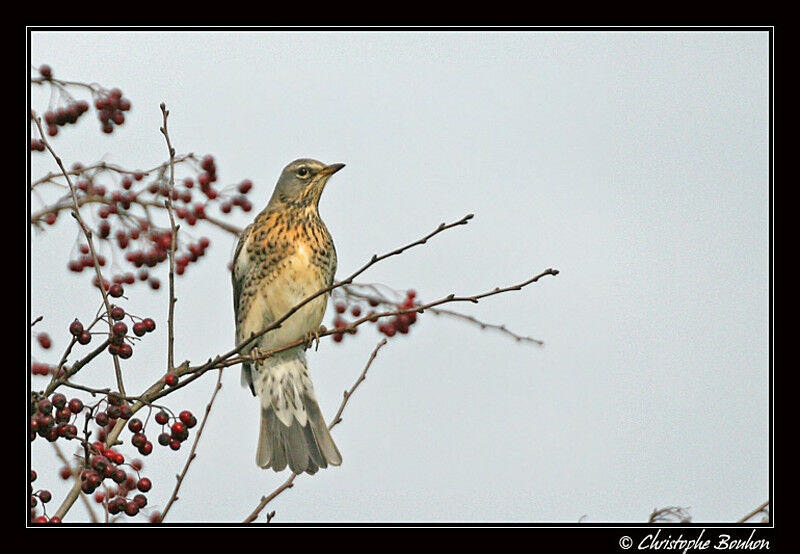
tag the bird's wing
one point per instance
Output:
(239, 269)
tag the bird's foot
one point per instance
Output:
(312, 337)
(257, 354)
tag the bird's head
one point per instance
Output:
(301, 183)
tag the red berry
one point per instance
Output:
(125, 351)
(131, 509)
(138, 439)
(144, 484)
(76, 328)
(171, 380)
(59, 400)
(162, 418)
(44, 340)
(178, 428)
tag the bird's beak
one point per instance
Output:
(329, 170)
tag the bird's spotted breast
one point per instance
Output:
(287, 258)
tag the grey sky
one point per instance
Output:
(635, 163)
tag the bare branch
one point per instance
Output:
(173, 242)
(764, 508)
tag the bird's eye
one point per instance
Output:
(302, 172)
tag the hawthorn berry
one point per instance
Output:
(44, 340)
(144, 484)
(125, 351)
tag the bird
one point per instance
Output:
(284, 256)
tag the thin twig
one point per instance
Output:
(348, 393)
(173, 242)
(373, 316)
(762, 508)
(192, 454)
(380, 299)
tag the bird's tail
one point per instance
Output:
(293, 430)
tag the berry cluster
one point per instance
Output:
(178, 431)
(111, 106)
(64, 115)
(37, 145)
(208, 176)
(39, 368)
(240, 200)
(51, 418)
(106, 464)
(400, 323)
(145, 245)
(82, 336)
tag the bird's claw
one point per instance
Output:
(256, 353)
(312, 337)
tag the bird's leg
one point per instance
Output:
(313, 337)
